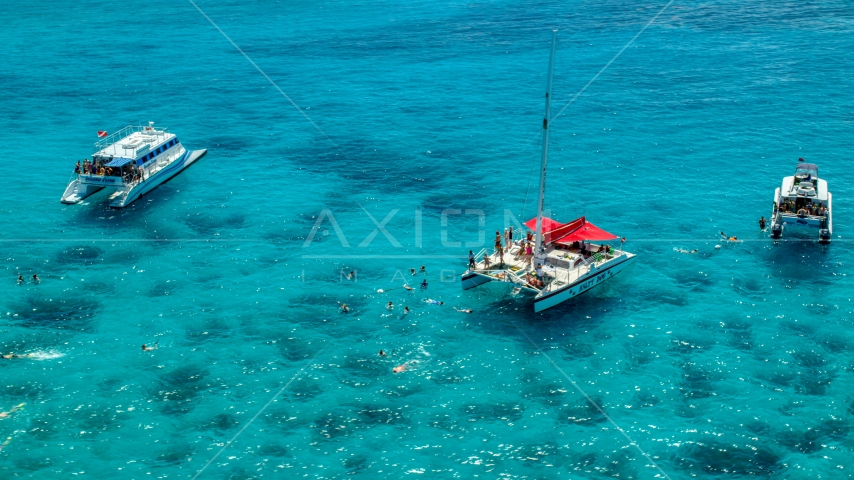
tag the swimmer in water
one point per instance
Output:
(433, 302)
(423, 270)
(36, 278)
(405, 310)
(400, 367)
(408, 287)
(390, 306)
(463, 310)
(16, 408)
(20, 279)
(382, 353)
(424, 284)
(351, 275)
(345, 308)
(412, 270)
(10, 356)
(146, 348)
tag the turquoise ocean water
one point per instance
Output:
(730, 362)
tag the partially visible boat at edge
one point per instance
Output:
(803, 201)
(131, 163)
(564, 263)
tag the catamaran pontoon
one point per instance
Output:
(803, 201)
(132, 162)
(563, 263)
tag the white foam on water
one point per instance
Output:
(45, 355)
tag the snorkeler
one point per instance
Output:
(146, 348)
(463, 310)
(9, 356)
(16, 408)
(400, 367)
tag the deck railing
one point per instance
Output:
(130, 129)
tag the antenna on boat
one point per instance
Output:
(545, 159)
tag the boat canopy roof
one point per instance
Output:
(588, 231)
(574, 231)
(548, 224)
(809, 168)
(119, 162)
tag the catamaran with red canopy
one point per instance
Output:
(566, 260)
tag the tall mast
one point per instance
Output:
(539, 245)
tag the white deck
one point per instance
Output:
(135, 145)
(563, 267)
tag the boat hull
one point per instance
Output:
(590, 280)
(76, 191)
(471, 280)
(158, 178)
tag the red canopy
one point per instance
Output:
(574, 231)
(587, 231)
(553, 230)
(548, 224)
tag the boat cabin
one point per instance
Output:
(128, 156)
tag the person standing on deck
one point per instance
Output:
(498, 249)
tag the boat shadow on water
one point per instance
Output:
(801, 260)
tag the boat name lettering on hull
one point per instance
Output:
(88, 179)
(595, 280)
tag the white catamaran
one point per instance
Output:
(804, 201)
(562, 264)
(131, 162)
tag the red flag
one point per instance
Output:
(101, 133)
